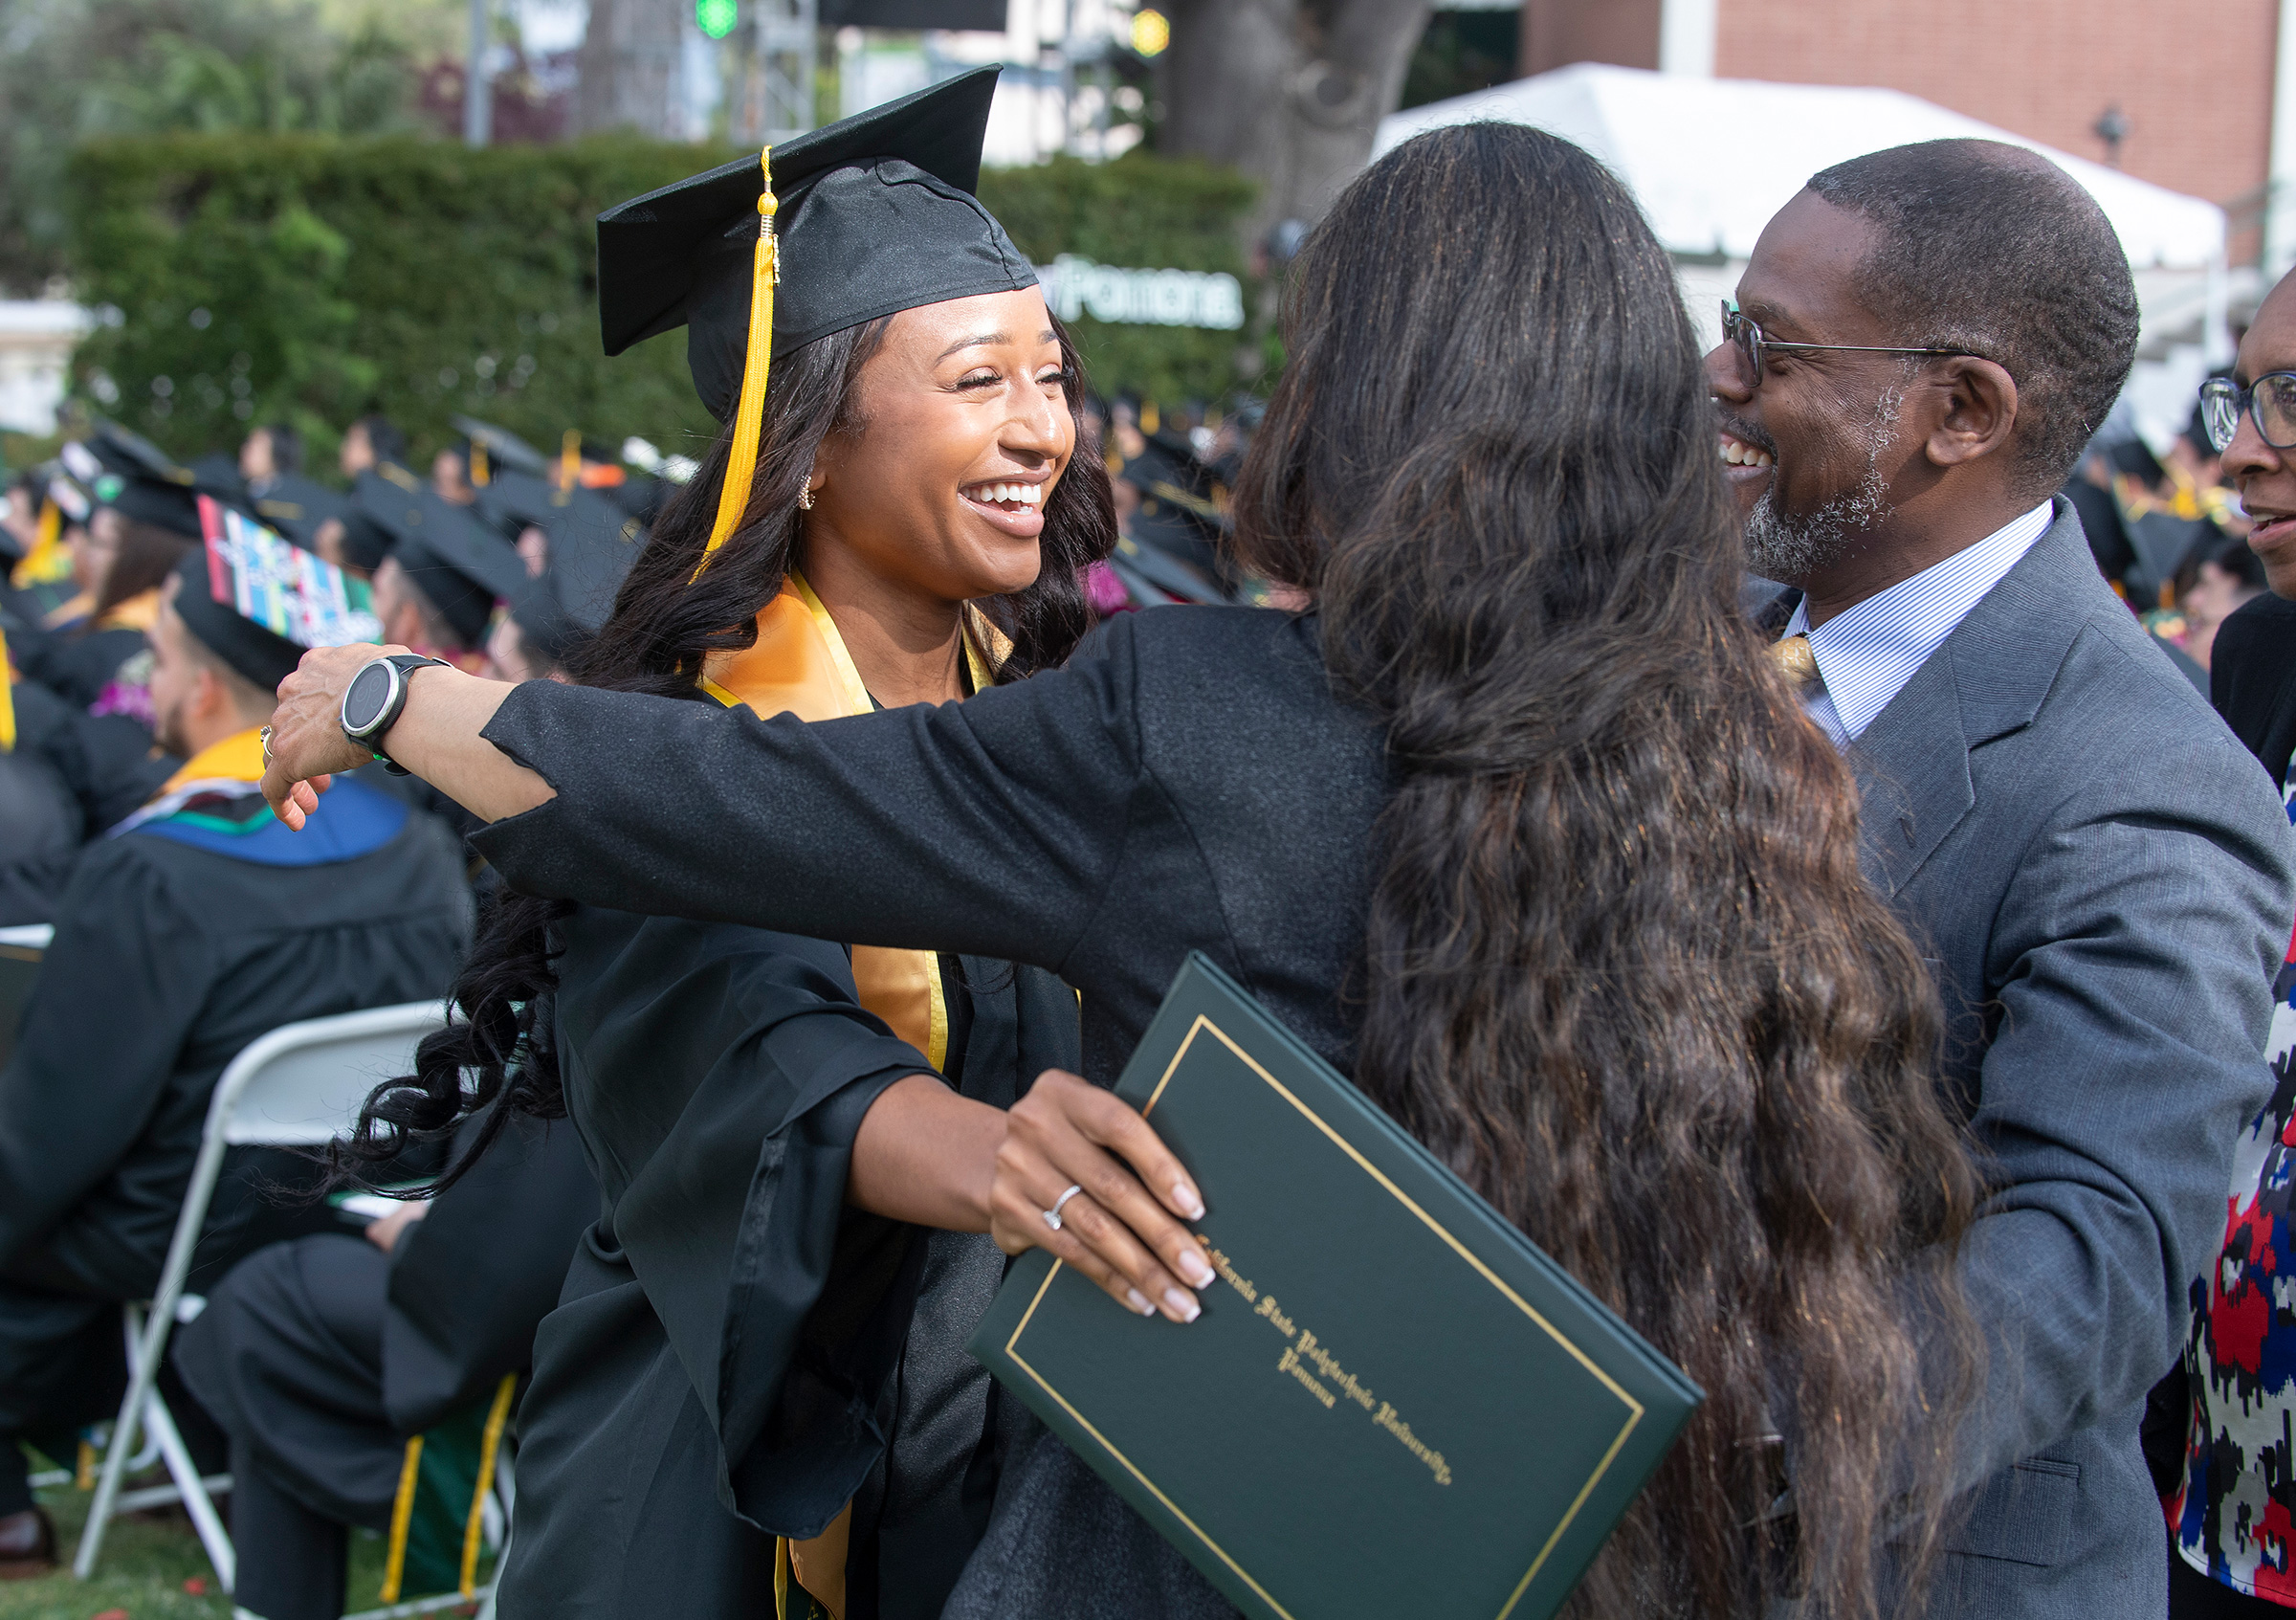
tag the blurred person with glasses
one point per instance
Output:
(2218, 1434)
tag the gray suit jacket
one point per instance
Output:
(2104, 882)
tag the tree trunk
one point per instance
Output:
(629, 68)
(1288, 91)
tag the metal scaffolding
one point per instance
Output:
(777, 79)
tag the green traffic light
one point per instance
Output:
(717, 18)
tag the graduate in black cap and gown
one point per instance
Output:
(323, 1358)
(436, 588)
(754, 1388)
(139, 529)
(199, 925)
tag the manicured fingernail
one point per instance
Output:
(1138, 1301)
(1192, 1266)
(1184, 1197)
(1183, 1306)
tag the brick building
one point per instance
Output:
(2192, 86)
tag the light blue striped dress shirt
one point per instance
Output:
(1866, 654)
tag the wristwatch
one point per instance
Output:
(371, 703)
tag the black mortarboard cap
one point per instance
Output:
(449, 554)
(138, 479)
(876, 214)
(261, 657)
(218, 474)
(257, 602)
(168, 506)
(592, 543)
(503, 448)
(131, 454)
(296, 506)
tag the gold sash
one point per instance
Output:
(798, 665)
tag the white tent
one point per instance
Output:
(1711, 160)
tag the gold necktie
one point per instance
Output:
(1799, 664)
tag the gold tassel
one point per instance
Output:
(48, 560)
(488, 1444)
(477, 464)
(8, 700)
(569, 466)
(749, 418)
(402, 1516)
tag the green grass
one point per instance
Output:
(147, 1558)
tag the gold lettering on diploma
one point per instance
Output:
(1309, 1362)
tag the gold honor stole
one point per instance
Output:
(798, 665)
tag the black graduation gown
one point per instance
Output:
(176, 944)
(40, 827)
(319, 1357)
(1192, 786)
(738, 1355)
(108, 763)
(74, 665)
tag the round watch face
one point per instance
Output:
(363, 704)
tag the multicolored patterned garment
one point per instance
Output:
(2234, 1514)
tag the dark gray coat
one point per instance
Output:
(2103, 882)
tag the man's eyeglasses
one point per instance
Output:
(1740, 330)
(2270, 401)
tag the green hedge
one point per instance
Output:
(1139, 212)
(309, 278)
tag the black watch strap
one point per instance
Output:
(404, 664)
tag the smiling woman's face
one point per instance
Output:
(963, 433)
(2266, 476)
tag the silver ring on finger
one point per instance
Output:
(267, 745)
(1053, 1215)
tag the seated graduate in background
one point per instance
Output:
(198, 926)
(40, 825)
(323, 1358)
(735, 1336)
(88, 652)
(436, 588)
(46, 521)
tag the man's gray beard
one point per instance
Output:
(1791, 549)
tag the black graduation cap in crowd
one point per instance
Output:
(217, 475)
(451, 556)
(262, 658)
(296, 506)
(127, 472)
(502, 449)
(131, 454)
(257, 602)
(874, 213)
(592, 542)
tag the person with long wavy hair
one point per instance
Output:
(1513, 823)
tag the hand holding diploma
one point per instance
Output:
(925, 1154)
(1069, 1133)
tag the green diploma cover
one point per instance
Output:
(1393, 1403)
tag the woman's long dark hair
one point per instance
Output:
(145, 556)
(496, 1057)
(1621, 970)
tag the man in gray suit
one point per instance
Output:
(1922, 343)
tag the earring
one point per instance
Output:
(805, 496)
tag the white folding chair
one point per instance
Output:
(298, 1086)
